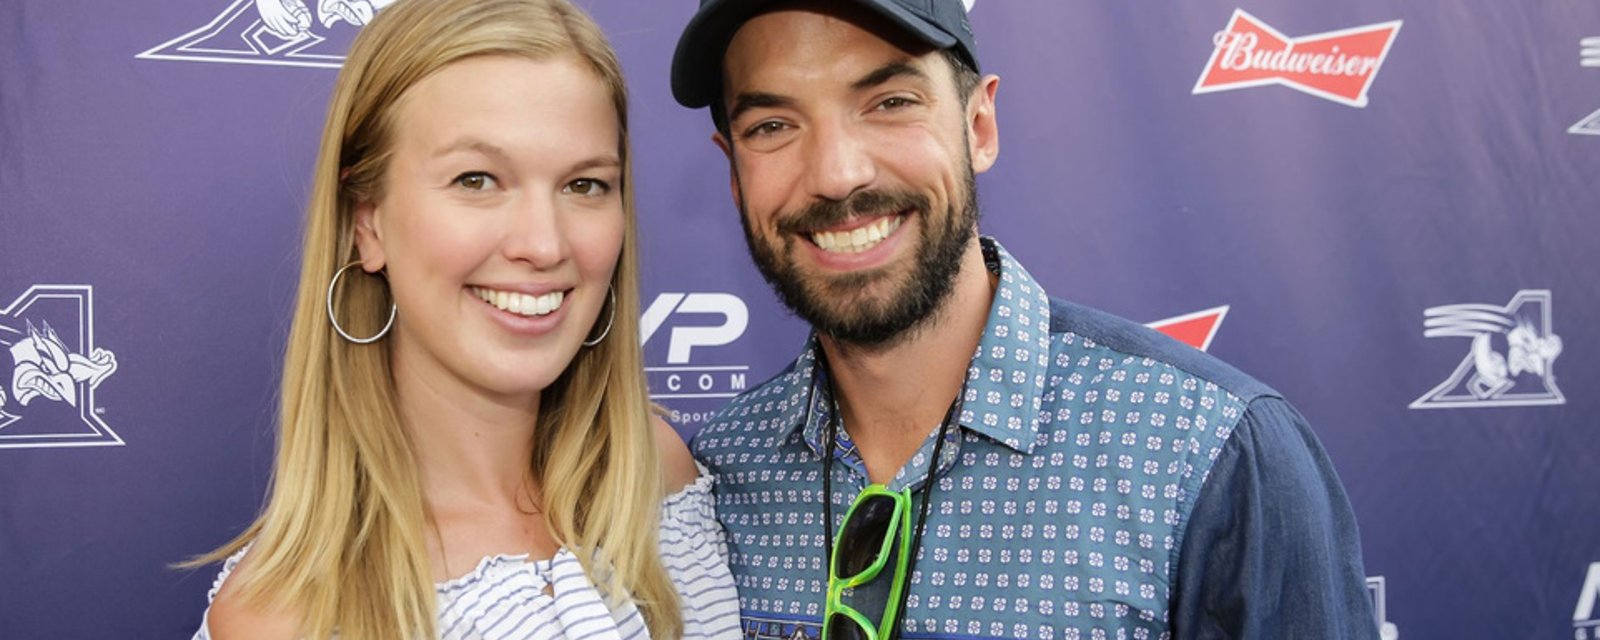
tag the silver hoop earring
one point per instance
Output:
(609, 321)
(335, 283)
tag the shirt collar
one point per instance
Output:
(1004, 391)
(809, 403)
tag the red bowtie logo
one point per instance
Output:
(1337, 65)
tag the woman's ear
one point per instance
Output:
(369, 237)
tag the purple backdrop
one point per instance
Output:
(1384, 196)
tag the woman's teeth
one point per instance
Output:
(858, 239)
(521, 304)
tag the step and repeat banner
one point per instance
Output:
(1386, 210)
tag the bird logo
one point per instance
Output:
(273, 32)
(50, 369)
(1510, 358)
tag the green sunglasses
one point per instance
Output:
(876, 529)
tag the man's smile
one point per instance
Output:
(858, 234)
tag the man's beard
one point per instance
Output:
(830, 304)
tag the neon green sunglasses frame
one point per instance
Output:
(899, 535)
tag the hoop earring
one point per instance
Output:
(609, 321)
(335, 321)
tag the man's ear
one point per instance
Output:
(733, 170)
(369, 237)
(983, 129)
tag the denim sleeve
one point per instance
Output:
(1271, 549)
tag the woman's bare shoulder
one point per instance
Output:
(232, 617)
(677, 466)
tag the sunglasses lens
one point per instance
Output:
(841, 627)
(863, 535)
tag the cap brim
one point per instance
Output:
(697, 62)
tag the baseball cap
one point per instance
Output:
(697, 64)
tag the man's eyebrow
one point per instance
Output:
(886, 73)
(756, 100)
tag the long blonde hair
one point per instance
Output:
(342, 536)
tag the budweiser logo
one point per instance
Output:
(1336, 65)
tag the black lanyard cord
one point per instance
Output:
(922, 515)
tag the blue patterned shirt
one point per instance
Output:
(1104, 482)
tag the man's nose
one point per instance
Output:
(840, 162)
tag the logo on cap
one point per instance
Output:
(1336, 65)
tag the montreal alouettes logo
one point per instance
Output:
(1511, 360)
(1336, 65)
(50, 369)
(273, 32)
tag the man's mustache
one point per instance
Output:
(863, 204)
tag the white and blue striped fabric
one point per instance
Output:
(505, 597)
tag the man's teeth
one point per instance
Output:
(521, 303)
(858, 239)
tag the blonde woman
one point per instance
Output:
(466, 446)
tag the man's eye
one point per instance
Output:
(587, 187)
(767, 128)
(474, 181)
(896, 102)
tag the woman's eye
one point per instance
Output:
(587, 187)
(475, 181)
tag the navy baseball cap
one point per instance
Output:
(697, 64)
